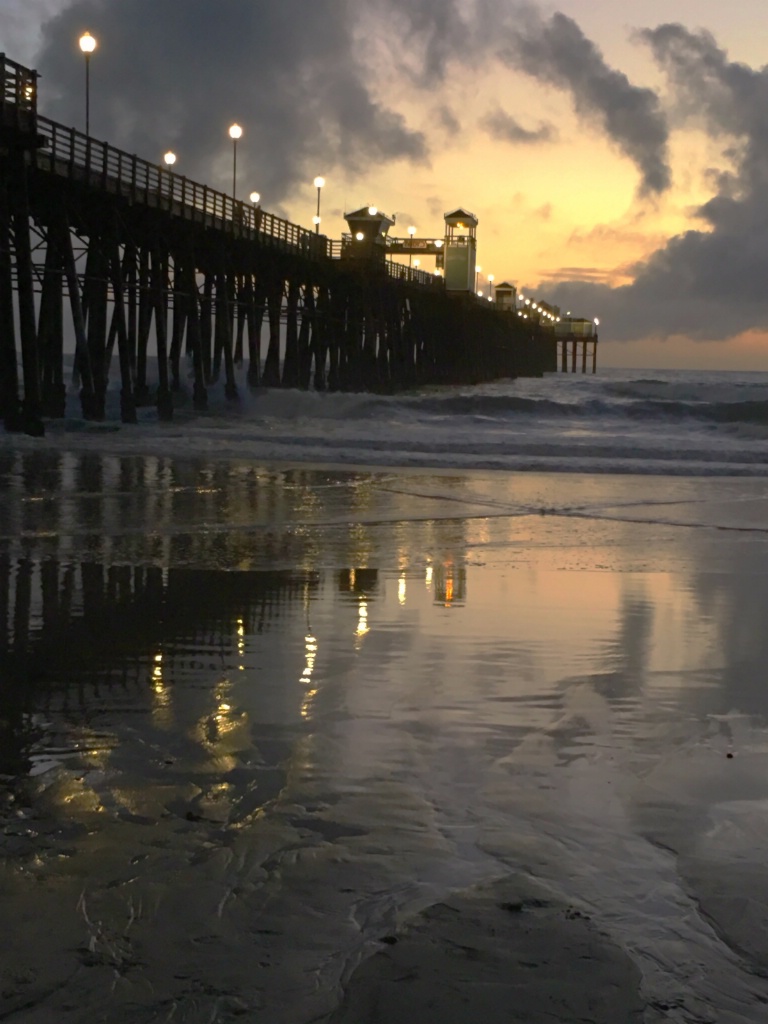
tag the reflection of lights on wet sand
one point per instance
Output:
(448, 590)
(224, 731)
(428, 577)
(352, 578)
(401, 590)
(161, 700)
(310, 654)
(306, 704)
(362, 622)
(77, 792)
(241, 643)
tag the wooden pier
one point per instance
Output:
(573, 345)
(130, 259)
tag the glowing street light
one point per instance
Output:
(319, 182)
(477, 274)
(597, 322)
(87, 45)
(235, 133)
(255, 198)
(417, 264)
(170, 160)
(491, 279)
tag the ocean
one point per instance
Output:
(671, 422)
(307, 700)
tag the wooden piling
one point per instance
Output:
(31, 405)
(10, 403)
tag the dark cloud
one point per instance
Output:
(296, 75)
(557, 51)
(434, 32)
(20, 32)
(505, 128)
(170, 73)
(707, 284)
(447, 120)
(175, 74)
(708, 87)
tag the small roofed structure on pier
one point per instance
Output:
(18, 103)
(576, 327)
(506, 296)
(367, 238)
(460, 250)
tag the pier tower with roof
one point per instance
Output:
(460, 250)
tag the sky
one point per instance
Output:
(615, 153)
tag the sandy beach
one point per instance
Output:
(287, 745)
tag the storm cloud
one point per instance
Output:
(558, 52)
(298, 77)
(178, 74)
(504, 127)
(709, 283)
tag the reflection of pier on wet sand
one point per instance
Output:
(295, 745)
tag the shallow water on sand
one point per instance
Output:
(255, 718)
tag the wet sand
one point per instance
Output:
(501, 954)
(288, 745)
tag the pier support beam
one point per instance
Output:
(31, 405)
(10, 404)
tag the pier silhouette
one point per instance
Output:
(146, 261)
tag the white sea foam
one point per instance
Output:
(670, 422)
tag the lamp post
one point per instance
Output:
(170, 160)
(255, 198)
(411, 232)
(87, 45)
(491, 279)
(235, 132)
(477, 274)
(319, 182)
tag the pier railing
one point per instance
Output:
(73, 154)
(70, 153)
